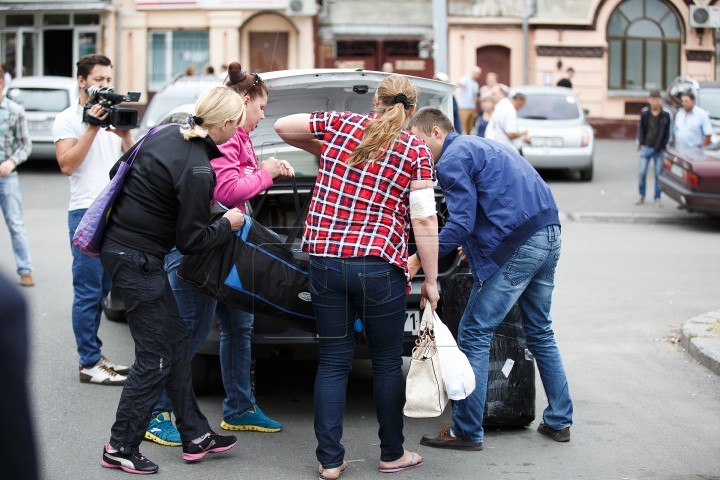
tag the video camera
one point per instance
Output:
(120, 118)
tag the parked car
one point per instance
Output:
(308, 91)
(43, 98)
(559, 134)
(181, 90)
(691, 176)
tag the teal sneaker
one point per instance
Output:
(253, 419)
(161, 430)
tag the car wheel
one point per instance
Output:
(114, 307)
(587, 174)
(202, 367)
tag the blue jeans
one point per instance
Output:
(197, 311)
(528, 279)
(11, 204)
(646, 155)
(343, 289)
(91, 285)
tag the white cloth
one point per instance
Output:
(503, 121)
(6, 81)
(691, 129)
(468, 93)
(93, 174)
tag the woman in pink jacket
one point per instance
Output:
(239, 178)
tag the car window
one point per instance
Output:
(710, 100)
(550, 107)
(159, 106)
(40, 99)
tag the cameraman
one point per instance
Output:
(86, 153)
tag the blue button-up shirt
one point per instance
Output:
(15, 142)
(690, 129)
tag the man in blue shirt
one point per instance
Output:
(692, 127)
(15, 147)
(504, 217)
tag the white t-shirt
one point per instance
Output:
(93, 174)
(468, 93)
(502, 122)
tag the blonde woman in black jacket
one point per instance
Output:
(165, 201)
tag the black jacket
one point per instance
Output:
(663, 133)
(165, 200)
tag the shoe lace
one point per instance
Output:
(139, 456)
(442, 432)
(107, 363)
(108, 370)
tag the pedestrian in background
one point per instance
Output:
(86, 153)
(503, 125)
(488, 106)
(457, 121)
(165, 201)
(566, 82)
(239, 178)
(491, 79)
(653, 137)
(469, 88)
(692, 127)
(372, 169)
(504, 217)
(15, 146)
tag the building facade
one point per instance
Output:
(150, 41)
(619, 49)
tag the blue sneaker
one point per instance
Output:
(161, 430)
(252, 419)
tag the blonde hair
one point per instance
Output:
(381, 133)
(213, 107)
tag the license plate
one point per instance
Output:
(546, 142)
(677, 170)
(40, 126)
(412, 321)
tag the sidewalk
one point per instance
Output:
(700, 337)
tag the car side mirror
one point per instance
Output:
(586, 111)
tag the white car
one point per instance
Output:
(559, 134)
(43, 98)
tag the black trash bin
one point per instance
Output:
(510, 399)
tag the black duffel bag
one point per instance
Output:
(510, 400)
(258, 271)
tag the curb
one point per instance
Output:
(700, 343)
(647, 218)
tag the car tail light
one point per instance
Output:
(585, 139)
(690, 178)
(667, 163)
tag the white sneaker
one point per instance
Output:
(658, 204)
(119, 369)
(640, 201)
(101, 374)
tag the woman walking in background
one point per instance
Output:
(165, 201)
(371, 170)
(488, 105)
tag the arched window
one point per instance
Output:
(644, 46)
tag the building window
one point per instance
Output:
(173, 51)
(644, 46)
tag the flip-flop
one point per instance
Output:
(342, 470)
(410, 464)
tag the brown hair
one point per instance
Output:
(88, 62)
(428, 117)
(244, 84)
(381, 133)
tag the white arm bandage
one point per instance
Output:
(422, 203)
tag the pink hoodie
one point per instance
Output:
(238, 176)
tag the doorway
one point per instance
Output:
(58, 52)
(495, 58)
(268, 51)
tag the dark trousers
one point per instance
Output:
(343, 289)
(161, 349)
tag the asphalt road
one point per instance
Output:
(643, 407)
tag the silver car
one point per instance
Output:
(559, 134)
(43, 98)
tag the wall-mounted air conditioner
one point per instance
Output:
(704, 17)
(301, 7)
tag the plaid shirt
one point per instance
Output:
(362, 210)
(15, 142)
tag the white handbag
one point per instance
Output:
(425, 395)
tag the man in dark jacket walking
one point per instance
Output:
(653, 137)
(505, 218)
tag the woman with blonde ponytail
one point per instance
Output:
(165, 201)
(357, 231)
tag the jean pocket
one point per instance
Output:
(317, 278)
(376, 286)
(551, 271)
(523, 263)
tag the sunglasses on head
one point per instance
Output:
(257, 80)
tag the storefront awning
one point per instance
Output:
(77, 5)
(375, 31)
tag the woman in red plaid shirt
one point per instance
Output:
(357, 233)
